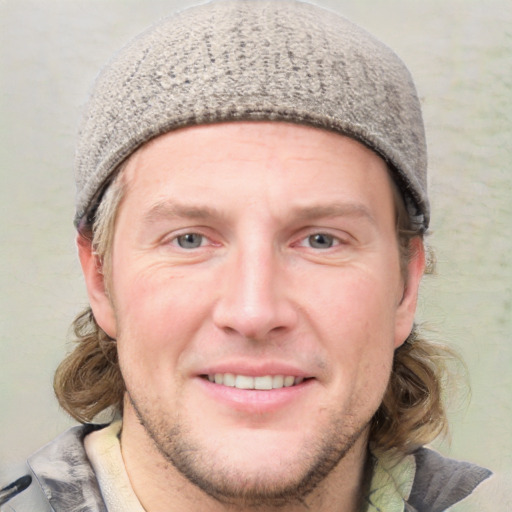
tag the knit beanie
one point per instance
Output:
(254, 60)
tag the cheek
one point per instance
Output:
(158, 313)
(356, 300)
(354, 315)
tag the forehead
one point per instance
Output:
(237, 164)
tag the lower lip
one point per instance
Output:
(255, 401)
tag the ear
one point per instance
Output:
(95, 282)
(406, 309)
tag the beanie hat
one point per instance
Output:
(243, 60)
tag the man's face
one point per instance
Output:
(256, 255)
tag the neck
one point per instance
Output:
(160, 487)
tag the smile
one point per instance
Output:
(265, 382)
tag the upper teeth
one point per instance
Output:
(247, 382)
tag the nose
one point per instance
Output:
(252, 300)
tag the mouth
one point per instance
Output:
(263, 383)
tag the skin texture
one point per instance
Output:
(294, 270)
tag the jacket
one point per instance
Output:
(64, 481)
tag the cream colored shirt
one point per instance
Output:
(104, 452)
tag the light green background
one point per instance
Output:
(460, 53)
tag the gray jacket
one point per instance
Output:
(63, 479)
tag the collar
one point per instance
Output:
(65, 475)
(391, 482)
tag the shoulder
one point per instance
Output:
(441, 482)
(492, 495)
(62, 477)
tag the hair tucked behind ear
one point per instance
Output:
(89, 379)
(412, 412)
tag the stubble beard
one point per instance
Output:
(229, 485)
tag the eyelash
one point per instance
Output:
(305, 241)
(333, 240)
(176, 240)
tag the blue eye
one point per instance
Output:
(190, 240)
(321, 241)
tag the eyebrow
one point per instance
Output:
(170, 209)
(334, 210)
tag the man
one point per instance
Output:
(251, 210)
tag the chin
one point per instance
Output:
(253, 467)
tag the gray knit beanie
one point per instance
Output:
(254, 60)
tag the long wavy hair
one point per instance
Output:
(89, 381)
